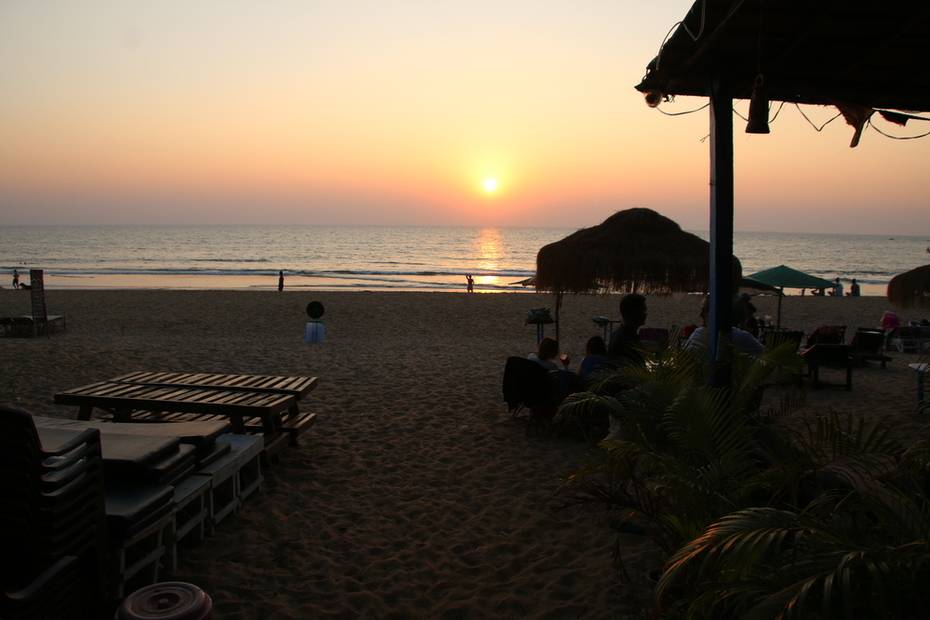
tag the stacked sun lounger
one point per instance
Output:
(158, 486)
(52, 530)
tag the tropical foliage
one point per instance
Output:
(757, 519)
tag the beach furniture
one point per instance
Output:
(52, 521)
(540, 317)
(234, 477)
(827, 334)
(529, 386)
(138, 472)
(293, 422)
(250, 403)
(921, 370)
(190, 516)
(910, 338)
(139, 521)
(606, 324)
(54, 593)
(39, 321)
(867, 345)
(829, 356)
(118, 499)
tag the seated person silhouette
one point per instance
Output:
(547, 354)
(595, 358)
(742, 341)
(625, 347)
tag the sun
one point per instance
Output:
(489, 184)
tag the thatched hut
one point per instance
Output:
(635, 250)
(911, 288)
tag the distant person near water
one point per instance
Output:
(470, 283)
(854, 289)
(280, 281)
(837, 288)
(15, 278)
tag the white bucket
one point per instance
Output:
(315, 331)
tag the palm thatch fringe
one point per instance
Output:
(636, 250)
(911, 288)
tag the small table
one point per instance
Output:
(921, 370)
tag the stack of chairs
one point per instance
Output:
(139, 522)
(52, 523)
(233, 477)
(70, 545)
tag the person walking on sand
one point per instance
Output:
(470, 281)
(280, 281)
(15, 278)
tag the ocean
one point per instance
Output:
(383, 258)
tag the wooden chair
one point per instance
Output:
(867, 345)
(830, 356)
(910, 338)
(827, 334)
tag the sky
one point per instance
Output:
(352, 112)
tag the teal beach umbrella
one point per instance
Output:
(783, 277)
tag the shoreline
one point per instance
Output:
(212, 282)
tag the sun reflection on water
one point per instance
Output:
(490, 249)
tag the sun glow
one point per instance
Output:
(489, 184)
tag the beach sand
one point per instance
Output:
(416, 494)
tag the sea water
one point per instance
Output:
(384, 258)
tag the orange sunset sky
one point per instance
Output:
(352, 112)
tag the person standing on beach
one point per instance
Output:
(837, 288)
(470, 283)
(15, 278)
(280, 281)
(854, 288)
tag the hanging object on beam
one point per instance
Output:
(758, 108)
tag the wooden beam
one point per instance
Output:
(721, 232)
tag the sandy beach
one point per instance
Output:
(416, 494)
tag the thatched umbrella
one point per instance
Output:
(635, 250)
(911, 288)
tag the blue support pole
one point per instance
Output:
(721, 232)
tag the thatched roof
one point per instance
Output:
(868, 53)
(636, 249)
(911, 288)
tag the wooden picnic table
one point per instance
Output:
(142, 395)
(295, 386)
